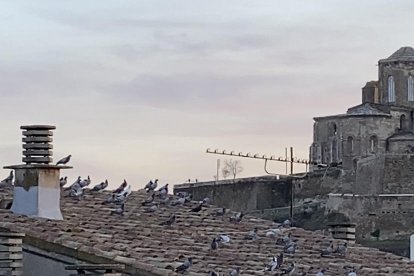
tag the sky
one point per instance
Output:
(139, 90)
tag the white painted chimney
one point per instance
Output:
(36, 185)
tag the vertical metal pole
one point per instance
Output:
(218, 169)
(286, 158)
(291, 186)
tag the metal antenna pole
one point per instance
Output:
(291, 186)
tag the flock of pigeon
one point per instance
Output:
(160, 196)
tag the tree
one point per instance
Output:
(231, 167)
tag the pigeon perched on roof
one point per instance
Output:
(341, 249)
(123, 195)
(197, 208)
(237, 218)
(85, 182)
(182, 194)
(352, 273)
(179, 201)
(275, 232)
(167, 200)
(235, 272)
(290, 248)
(206, 201)
(76, 191)
(185, 266)
(63, 181)
(163, 191)
(64, 160)
(224, 239)
(287, 223)
(8, 179)
(77, 183)
(321, 273)
(271, 265)
(219, 212)
(169, 222)
(213, 273)
(149, 200)
(327, 251)
(119, 211)
(151, 186)
(279, 260)
(121, 187)
(252, 235)
(152, 209)
(101, 186)
(289, 270)
(214, 244)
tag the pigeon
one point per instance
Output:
(352, 273)
(235, 272)
(236, 218)
(219, 212)
(8, 180)
(252, 235)
(290, 248)
(110, 199)
(185, 266)
(206, 201)
(163, 191)
(287, 239)
(76, 191)
(273, 233)
(63, 181)
(224, 239)
(289, 270)
(151, 209)
(271, 265)
(214, 244)
(85, 182)
(101, 186)
(182, 194)
(213, 273)
(121, 187)
(151, 186)
(149, 200)
(78, 180)
(287, 223)
(121, 197)
(169, 222)
(321, 273)
(327, 251)
(64, 160)
(166, 200)
(197, 208)
(279, 260)
(179, 201)
(341, 249)
(119, 211)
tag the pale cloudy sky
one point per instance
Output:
(140, 89)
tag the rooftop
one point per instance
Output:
(402, 54)
(88, 232)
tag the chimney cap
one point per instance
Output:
(43, 127)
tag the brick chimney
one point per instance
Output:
(36, 185)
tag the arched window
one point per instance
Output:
(350, 145)
(391, 89)
(410, 88)
(373, 143)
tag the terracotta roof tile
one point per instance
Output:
(138, 240)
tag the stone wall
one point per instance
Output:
(399, 173)
(389, 216)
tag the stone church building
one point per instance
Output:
(382, 124)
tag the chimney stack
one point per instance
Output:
(36, 185)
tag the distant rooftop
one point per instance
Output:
(402, 54)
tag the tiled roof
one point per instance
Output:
(137, 239)
(402, 54)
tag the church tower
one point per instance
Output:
(396, 78)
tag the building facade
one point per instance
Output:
(382, 124)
